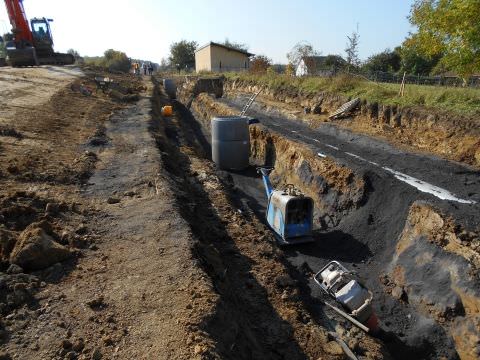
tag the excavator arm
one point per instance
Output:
(20, 28)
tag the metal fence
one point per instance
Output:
(386, 77)
(380, 76)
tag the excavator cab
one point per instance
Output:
(42, 37)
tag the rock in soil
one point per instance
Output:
(37, 250)
(97, 354)
(113, 200)
(14, 269)
(5, 356)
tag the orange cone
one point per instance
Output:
(167, 110)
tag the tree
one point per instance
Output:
(299, 52)
(334, 62)
(76, 55)
(234, 45)
(352, 50)
(386, 61)
(182, 54)
(115, 60)
(413, 62)
(260, 64)
(164, 65)
(449, 28)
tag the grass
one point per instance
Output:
(465, 101)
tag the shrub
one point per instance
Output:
(112, 60)
(116, 61)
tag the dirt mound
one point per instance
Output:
(16, 289)
(36, 248)
(8, 240)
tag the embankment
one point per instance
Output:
(449, 135)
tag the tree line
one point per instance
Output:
(447, 39)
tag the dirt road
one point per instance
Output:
(122, 293)
(23, 90)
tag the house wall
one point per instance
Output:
(218, 59)
(302, 69)
(203, 60)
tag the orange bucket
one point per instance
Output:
(167, 110)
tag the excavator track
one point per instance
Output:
(28, 57)
(22, 57)
(58, 59)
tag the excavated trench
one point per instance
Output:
(258, 312)
(419, 256)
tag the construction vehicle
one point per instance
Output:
(342, 285)
(289, 212)
(32, 44)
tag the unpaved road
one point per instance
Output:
(20, 89)
(125, 290)
(133, 276)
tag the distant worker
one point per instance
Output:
(145, 67)
(150, 69)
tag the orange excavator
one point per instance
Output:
(33, 45)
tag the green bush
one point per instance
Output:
(112, 60)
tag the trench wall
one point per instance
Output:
(335, 189)
(435, 269)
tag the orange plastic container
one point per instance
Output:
(167, 110)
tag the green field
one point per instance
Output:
(464, 101)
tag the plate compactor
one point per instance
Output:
(341, 284)
(289, 212)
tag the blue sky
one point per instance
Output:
(146, 28)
